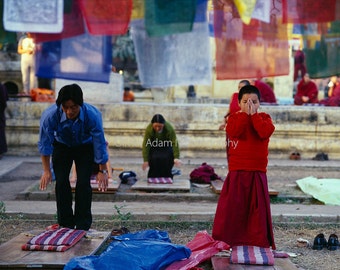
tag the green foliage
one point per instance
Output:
(2, 208)
(120, 215)
(123, 48)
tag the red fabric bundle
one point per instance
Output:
(204, 174)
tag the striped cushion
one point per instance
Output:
(160, 180)
(54, 240)
(252, 255)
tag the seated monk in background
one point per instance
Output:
(307, 92)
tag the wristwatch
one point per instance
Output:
(103, 171)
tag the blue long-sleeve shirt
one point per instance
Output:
(86, 129)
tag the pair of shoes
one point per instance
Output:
(320, 242)
(333, 242)
(321, 156)
(295, 156)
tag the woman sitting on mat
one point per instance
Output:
(160, 148)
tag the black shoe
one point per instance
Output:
(321, 156)
(333, 242)
(319, 242)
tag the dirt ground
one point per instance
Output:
(281, 179)
(285, 236)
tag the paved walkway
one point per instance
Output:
(172, 210)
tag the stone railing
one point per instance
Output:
(306, 129)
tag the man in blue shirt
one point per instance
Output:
(72, 130)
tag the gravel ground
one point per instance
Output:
(281, 179)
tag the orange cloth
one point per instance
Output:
(128, 96)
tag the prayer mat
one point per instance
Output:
(252, 255)
(54, 240)
(177, 185)
(160, 180)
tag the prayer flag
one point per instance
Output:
(33, 16)
(255, 50)
(245, 9)
(6, 37)
(106, 17)
(137, 9)
(182, 59)
(84, 57)
(73, 26)
(321, 48)
(302, 11)
(169, 17)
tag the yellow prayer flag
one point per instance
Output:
(245, 8)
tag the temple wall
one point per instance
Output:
(307, 129)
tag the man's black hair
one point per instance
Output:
(248, 89)
(70, 92)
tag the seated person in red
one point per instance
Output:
(307, 92)
(333, 93)
(266, 92)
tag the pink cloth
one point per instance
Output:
(202, 247)
(54, 240)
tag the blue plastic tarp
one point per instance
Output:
(149, 249)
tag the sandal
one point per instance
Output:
(295, 156)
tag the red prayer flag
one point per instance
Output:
(308, 11)
(106, 17)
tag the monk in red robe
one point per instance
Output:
(307, 92)
(243, 214)
(266, 92)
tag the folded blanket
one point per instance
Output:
(160, 180)
(54, 240)
(252, 255)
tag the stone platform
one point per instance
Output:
(307, 129)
